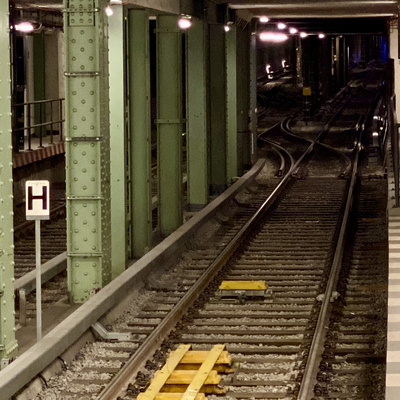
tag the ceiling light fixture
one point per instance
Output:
(281, 25)
(109, 11)
(185, 22)
(293, 31)
(263, 19)
(24, 27)
(273, 37)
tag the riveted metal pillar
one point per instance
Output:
(243, 99)
(8, 344)
(140, 132)
(232, 152)
(253, 97)
(218, 141)
(169, 123)
(116, 45)
(39, 72)
(87, 148)
(196, 112)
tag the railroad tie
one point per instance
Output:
(189, 375)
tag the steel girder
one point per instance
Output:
(8, 343)
(87, 148)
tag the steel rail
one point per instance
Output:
(316, 349)
(151, 344)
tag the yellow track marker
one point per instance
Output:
(160, 377)
(243, 285)
(203, 372)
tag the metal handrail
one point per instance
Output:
(43, 122)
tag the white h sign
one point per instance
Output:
(37, 197)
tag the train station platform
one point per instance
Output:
(393, 321)
(37, 152)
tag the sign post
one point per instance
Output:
(37, 198)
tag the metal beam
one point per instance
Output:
(197, 118)
(87, 148)
(169, 123)
(8, 343)
(118, 167)
(140, 132)
(232, 151)
(217, 109)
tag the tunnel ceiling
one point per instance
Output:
(351, 17)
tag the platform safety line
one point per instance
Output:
(161, 376)
(203, 372)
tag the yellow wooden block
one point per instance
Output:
(203, 373)
(198, 357)
(177, 396)
(185, 377)
(213, 389)
(243, 285)
(224, 368)
(161, 376)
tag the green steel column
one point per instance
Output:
(39, 72)
(232, 159)
(169, 123)
(116, 46)
(196, 115)
(253, 97)
(140, 132)
(87, 148)
(217, 109)
(8, 344)
(243, 99)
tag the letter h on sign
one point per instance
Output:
(37, 200)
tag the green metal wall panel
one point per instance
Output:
(87, 148)
(232, 166)
(140, 132)
(118, 167)
(8, 344)
(169, 123)
(196, 111)
(217, 109)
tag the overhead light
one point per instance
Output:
(293, 31)
(108, 10)
(227, 28)
(115, 2)
(273, 37)
(281, 25)
(303, 35)
(24, 27)
(185, 22)
(321, 35)
(263, 19)
(375, 134)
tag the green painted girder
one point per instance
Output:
(196, 115)
(87, 148)
(140, 132)
(169, 123)
(232, 141)
(253, 98)
(118, 142)
(8, 343)
(217, 107)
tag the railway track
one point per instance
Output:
(269, 338)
